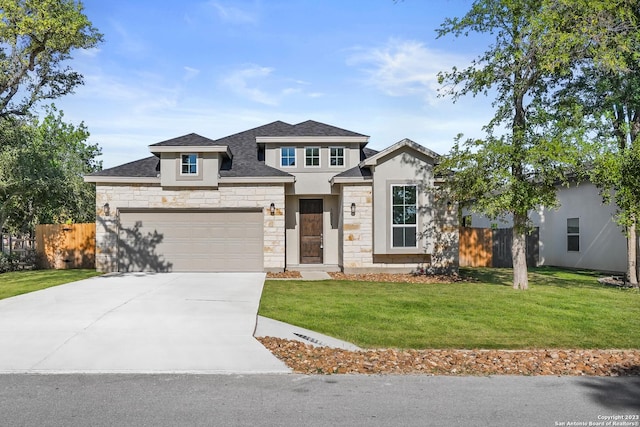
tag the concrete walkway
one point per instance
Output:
(155, 323)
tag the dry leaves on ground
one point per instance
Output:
(306, 359)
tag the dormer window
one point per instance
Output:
(189, 164)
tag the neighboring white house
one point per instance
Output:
(580, 233)
(271, 198)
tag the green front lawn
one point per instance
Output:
(562, 309)
(22, 282)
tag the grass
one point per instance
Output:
(22, 282)
(562, 309)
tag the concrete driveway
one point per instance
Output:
(138, 322)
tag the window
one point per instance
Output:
(189, 164)
(336, 156)
(573, 234)
(287, 156)
(404, 210)
(312, 156)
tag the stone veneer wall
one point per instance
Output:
(225, 196)
(357, 230)
(357, 239)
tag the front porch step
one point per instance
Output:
(314, 267)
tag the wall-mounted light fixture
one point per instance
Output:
(353, 209)
(272, 208)
(449, 205)
(107, 209)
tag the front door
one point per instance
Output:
(310, 231)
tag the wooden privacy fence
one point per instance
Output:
(61, 246)
(485, 247)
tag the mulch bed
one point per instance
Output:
(285, 275)
(306, 359)
(397, 278)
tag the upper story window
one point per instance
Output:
(287, 156)
(573, 234)
(404, 209)
(336, 156)
(189, 164)
(312, 156)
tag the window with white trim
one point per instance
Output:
(573, 234)
(404, 214)
(312, 156)
(336, 156)
(287, 156)
(189, 164)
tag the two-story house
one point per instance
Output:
(271, 198)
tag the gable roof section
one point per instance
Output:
(312, 128)
(373, 160)
(243, 157)
(143, 170)
(192, 139)
(312, 131)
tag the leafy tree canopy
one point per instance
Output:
(36, 38)
(42, 164)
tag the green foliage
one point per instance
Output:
(529, 146)
(563, 309)
(36, 38)
(41, 172)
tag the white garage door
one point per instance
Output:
(164, 240)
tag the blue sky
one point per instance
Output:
(217, 67)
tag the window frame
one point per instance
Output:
(573, 235)
(282, 157)
(306, 157)
(405, 225)
(336, 157)
(189, 164)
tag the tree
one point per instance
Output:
(41, 172)
(607, 86)
(614, 98)
(527, 150)
(36, 38)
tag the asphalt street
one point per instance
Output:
(298, 400)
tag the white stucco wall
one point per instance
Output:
(226, 196)
(602, 242)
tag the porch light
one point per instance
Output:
(353, 209)
(107, 209)
(272, 208)
(449, 206)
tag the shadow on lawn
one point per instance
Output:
(538, 276)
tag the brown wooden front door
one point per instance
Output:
(310, 231)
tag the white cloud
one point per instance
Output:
(128, 43)
(241, 81)
(249, 83)
(405, 67)
(233, 14)
(190, 73)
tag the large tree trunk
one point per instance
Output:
(632, 244)
(519, 253)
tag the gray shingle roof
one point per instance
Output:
(190, 140)
(248, 157)
(356, 172)
(147, 167)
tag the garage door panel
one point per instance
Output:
(191, 241)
